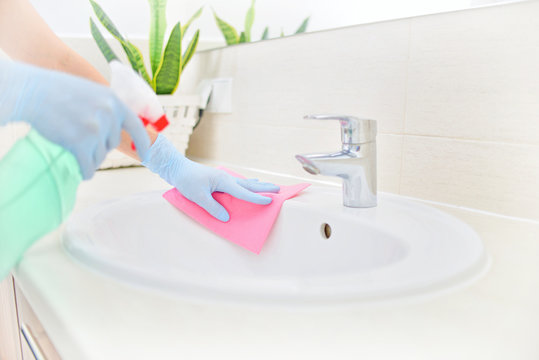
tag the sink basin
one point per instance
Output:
(318, 251)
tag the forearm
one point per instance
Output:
(73, 63)
(125, 143)
(25, 37)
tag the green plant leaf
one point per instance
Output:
(242, 38)
(130, 56)
(167, 77)
(195, 16)
(303, 27)
(249, 20)
(229, 32)
(106, 21)
(265, 34)
(133, 53)
(136, 60)
(102, 43)
(158, 24)
(191, 48)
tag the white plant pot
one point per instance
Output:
(182, 111)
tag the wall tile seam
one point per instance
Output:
(230, 122)
(473, 210)
(298, 37)
(337, 184)
(395, 134)
(410, 19)
(234, 123)
(471, 141)
(405, 110)
(529, 146)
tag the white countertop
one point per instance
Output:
(89, 316)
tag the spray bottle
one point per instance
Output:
(137, 95)
(41, 188)
(36, 197)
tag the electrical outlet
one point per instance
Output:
(221, 96)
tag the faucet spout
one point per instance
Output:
(355, 164)
(308, 165)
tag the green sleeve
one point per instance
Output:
(38, 185)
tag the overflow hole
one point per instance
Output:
(325, 230)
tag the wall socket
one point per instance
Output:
(220, 100)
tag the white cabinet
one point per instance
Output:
(22, 336)
(10, 345)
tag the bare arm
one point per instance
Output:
(25, 37)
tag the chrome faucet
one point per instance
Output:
(355, 163)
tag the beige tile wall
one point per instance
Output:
(277, 82)
(456, 96)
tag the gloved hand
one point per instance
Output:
(197, 182)
(82, 116)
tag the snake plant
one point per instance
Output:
(166, 66)
(231, 34)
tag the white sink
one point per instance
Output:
(399, 248)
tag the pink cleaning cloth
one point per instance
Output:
(249, 225)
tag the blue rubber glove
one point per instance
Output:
(197, 182)
(81, 116)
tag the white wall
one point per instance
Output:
(456, 97)
(288, 15)
(69, 18)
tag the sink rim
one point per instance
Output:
(475, 270)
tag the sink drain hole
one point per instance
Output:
(325, 230)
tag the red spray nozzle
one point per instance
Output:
(159, 125)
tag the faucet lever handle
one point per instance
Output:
(353, 130)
